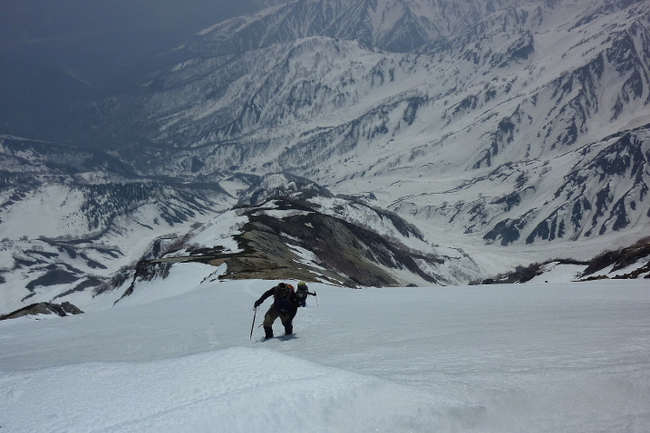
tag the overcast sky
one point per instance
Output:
(55, 53)
(85, 36)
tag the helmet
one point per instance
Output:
(302, 285)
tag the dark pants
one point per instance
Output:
(270, 317)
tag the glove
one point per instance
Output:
(257, 303)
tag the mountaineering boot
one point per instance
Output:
(288, 329)
(268, 331)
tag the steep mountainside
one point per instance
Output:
(492, 125)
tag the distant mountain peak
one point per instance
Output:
(393, 25)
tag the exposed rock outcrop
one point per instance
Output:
(63, 309)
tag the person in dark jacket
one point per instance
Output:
(285, 305)
(303, 292)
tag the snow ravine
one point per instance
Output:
(562, 357)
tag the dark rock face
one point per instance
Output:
(146, 271)
(64, 309)
(342, 252)
(343, 247)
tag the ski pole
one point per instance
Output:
(316, 296)
(253, 326)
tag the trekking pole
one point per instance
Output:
(253, 326)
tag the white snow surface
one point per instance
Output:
(220, 231)
(177, 357)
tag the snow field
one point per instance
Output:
(237, 389)
(527, 358)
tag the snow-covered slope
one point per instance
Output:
(536, 358)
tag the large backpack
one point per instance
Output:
(282, 298)
(302, 293)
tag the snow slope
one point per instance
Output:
(527, 358)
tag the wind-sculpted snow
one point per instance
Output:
(544, 357)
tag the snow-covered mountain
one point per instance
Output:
(392, 25)
(87, 228)
(485, 130)
(73, 220)
(505, 132)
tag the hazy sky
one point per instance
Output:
(86, 36)
(55, 54)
